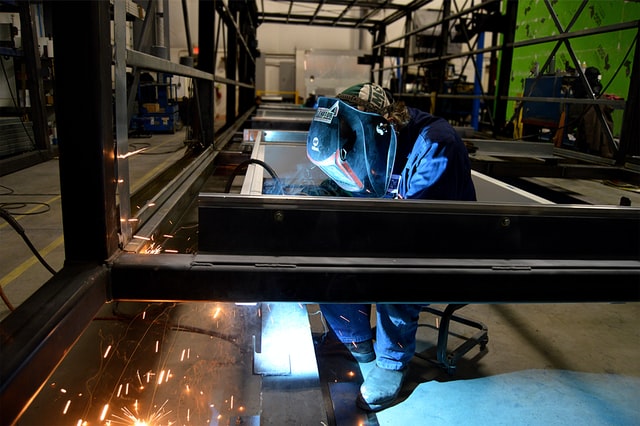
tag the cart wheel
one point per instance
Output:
(483, 344)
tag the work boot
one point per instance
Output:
(380, 388)
(362, 351)
(329, 344)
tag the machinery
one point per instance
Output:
(576, 123)
(158, 108)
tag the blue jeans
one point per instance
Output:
(396, 326)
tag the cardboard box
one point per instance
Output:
(151, 108)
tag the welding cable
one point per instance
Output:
(20, 230)
(244, 165)
(6, 301)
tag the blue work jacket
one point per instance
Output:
(432, 160)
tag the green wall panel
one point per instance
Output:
(611, 52)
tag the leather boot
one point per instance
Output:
(380, 388)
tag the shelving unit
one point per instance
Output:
(33, 114)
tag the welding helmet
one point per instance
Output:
(355, 148)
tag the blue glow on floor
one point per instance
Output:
(531, 397)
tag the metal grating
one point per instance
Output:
(16, 136)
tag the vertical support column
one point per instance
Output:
(206, 31)
(629, 140)
(246, 61)
(502, 89)
(443, 46)
(378, 53)
(122, 119)
(477, 84)
(231, 68)
(34, 71)
(84, 114)
(493, 73)
(402, 77)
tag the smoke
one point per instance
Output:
(306, 180)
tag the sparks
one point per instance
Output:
(130, 153)
(105, 409)
(153, 248)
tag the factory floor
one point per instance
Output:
(543, 364)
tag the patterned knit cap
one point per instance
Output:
(369, 96)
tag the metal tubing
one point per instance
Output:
(338, 279)
(84, 115)
(38, 334)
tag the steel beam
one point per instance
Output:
(338, 279)
(38, 334)
(318, 249)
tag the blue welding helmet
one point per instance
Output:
(356, 149)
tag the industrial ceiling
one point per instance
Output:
(364, 14)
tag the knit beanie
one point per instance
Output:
(370, 96)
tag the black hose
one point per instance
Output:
(244, 165)
(20, 230)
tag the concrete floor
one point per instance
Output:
(545, 364)
(32, 196)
